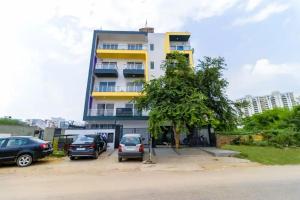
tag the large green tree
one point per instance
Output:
(210, 81)
(174, 99)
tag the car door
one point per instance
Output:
(2, 155)
(12, 147)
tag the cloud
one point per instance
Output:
(45, 46)
(263, 77)
(263, 14)
(252, 4)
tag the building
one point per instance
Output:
(118, 59)
(261, 103)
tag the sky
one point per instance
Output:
(45, 46)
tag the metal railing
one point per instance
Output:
(123, 46)
(99, 88)
(106, 66)
(115, 66)
(180, 47)
(134, 66)
(116, 112)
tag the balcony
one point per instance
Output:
(122, 46)
(117, 113)
(125, 51)
(117, 92)
(180, 48)
(134, 71)
(106, 70)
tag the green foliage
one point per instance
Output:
(278, 118)
(267, 155)
(173, 97)
(7, 121)
(210, 81)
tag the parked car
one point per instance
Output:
(87, 146)
(23, 150)
(131, 146)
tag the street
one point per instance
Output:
(92, 179)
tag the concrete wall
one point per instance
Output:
(157, 56)
(17, 130)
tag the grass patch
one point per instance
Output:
(58, 154)
(267, 155)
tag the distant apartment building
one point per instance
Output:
(261, 103)
(118, 60)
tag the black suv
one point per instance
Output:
(87, 146)
(23, 150)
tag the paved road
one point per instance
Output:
(93, 179)
(276, 183)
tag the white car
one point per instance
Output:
(131, 146)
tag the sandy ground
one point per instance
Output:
(193, 174)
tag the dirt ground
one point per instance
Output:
(166, 159)
(188, 174)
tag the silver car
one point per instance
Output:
(131, 146)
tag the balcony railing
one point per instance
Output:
(118, 89)
(121, 112)
(123, 46)
(180, 47)
(106, 66)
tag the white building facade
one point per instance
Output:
(119, 60)
(261, 103)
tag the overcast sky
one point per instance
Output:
(45, 46)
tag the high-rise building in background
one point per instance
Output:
(261, 103)
(118, 60)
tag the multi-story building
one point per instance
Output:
(119, 59)
(267, 102)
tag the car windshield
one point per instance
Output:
(130, 140)
(82, 139)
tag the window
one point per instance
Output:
(134, 86)
(151, 47)
(110, 46)
(134, 65)
(107, 87)
(2, 142)
(135, 46)
(105, 109)
(108, 65)
(16, 142)
(152, 64)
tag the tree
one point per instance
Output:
(173, 98)
(210, 82)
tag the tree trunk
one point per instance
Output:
(176, 137)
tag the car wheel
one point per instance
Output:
(24, 160)
(96, 155)
(120, 159)
(72, 158)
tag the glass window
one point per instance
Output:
(151, 47)
(15, 142)
(152, 64)
(2, 142)
(107, 86)
(85, 138)
(130, 141)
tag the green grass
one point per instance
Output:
(58, 154)
(267, 155)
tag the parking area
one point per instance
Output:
(166, 159)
